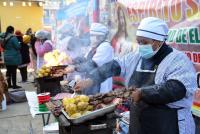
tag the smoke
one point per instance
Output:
(72, 46)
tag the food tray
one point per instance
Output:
(92, 115)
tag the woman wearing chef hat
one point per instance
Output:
(164, 79)
(101, 52)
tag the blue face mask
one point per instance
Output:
(146, 51)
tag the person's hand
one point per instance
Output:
(69, 69)
(83, 84)
(136, 95)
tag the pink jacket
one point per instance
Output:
(41, 49)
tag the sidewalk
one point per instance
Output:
(17, 118)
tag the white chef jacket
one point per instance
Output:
(104, 54)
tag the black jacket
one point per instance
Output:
(24, 51)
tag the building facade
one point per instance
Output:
(22, 15)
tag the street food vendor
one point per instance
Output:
(101, 52)
(164, 80)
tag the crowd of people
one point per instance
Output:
(21, 50)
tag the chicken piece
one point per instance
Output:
(108, 100)
(96, 102)
(99, 106)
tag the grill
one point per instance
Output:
(49, 84)
(101, 125)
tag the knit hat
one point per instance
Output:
(98, 29)
(18, 33)
(153, 28)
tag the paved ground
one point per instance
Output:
(17, 118)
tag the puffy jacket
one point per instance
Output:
(12, 55)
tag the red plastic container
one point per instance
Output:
(43, 97)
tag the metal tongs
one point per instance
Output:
(72, 84)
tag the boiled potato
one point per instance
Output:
(71, 109)
(42, 71)
(75, 115)
(89, 108)
(77, 99)
(82, 106)
(46, 74)
(68, 101)
(48, 70)
(40, 75)
(84, 98)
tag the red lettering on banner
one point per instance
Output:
(169, 10)
(141, 10)
(193, 56)
(189, 55)
(198, 58)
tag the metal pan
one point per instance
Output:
(92, 115)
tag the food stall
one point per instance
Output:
(51, 73)
(183, 35)
(87, 114)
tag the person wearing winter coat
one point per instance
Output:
(25, 57)
(42, 45)
(12, 56)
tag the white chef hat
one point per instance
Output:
(153, 28)
(98, 29)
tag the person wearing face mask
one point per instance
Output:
(101, 52)
(164, 80)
